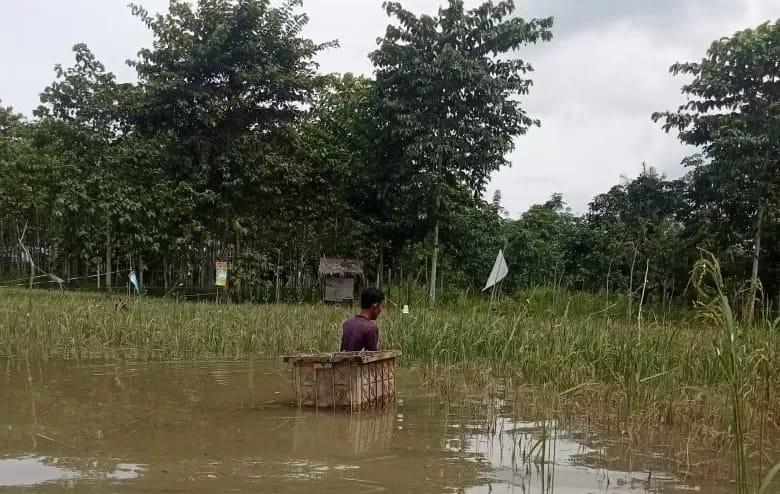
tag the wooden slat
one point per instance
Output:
(341, 357)
(354, 380)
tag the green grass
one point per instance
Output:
(715, 308)
(566, 344)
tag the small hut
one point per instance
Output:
(340, 279)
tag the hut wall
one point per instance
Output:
(338, 289)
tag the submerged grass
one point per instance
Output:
(580, 351)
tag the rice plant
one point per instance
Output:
(714, 307)
(565, 346)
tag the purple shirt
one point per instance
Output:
(359, 334)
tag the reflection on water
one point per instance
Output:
(31, 470)
(219, 426)
(539, 457)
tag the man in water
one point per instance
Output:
(360, 331)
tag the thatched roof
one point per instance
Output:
(338, 267)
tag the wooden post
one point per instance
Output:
(631, 285)
(109, 261)
(750, 308)
(641, 302)
(27, 253)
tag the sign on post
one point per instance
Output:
(222, 273)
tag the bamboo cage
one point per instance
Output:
(347, 380)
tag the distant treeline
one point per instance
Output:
(232, 146)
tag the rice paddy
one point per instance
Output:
(572, 353)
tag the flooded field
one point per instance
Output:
(232, 427)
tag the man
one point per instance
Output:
(360, 331)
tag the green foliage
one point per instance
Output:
(472, 238)
(447, 94)
(539, 243)
(714, 307)
(447, 97)
(733, 112)
(231, 146)
(223, 86)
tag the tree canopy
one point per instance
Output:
(231, 145)
(447, 88)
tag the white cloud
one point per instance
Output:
(594, 93)
(595, 90)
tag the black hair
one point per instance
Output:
(371, 296)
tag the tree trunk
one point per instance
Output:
(641, 303)
(109, 252)
(381, 267)
(141, 272)
(441, 280)
(631, 286)
(278, 263)
(38, 239)
(434, 261)
(2, 246)
(235, 264)
(751, 302)
(32, 269)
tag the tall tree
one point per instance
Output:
(733, 112)
(223, 83)
(83, 121)
(23, 185)
(447, 87)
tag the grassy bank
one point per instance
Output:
(594, 360)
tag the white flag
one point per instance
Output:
(134, 281)
(499, 271)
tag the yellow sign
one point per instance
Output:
(222, 272)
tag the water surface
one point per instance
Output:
(232, 427)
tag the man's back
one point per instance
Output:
(359, 334)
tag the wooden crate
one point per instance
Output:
(353, 380)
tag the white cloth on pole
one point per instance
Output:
(499, 272)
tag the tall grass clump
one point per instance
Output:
(714, 307)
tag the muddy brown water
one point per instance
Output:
(233, 427)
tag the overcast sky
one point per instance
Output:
(595, 84)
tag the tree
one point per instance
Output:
(473, 236)
(340, 134)
(336, 138)
(636, 224)
(12, 143)
(83, 130)
(448, 92)
(733, 112)
(223, 85)
(538, 244)
(22, 185)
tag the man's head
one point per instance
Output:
(371, 303)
